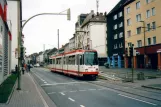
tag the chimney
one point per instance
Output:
(97, 13)
(92, 11)
(105, 13)
(101, 14)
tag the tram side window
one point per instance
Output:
(81, 58)
(77, 59)
(71, 60)
(64, 59)
(50, 61)
(53, 61)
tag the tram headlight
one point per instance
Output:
(97, 69)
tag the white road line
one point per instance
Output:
(73, 91)
(62, 93)
(137, 99)
(52, 93)
(39, 77)
(101, 89)
(67, 83)
(71, 99)
(82, 90)
(82, 106)
(91, 89)
(45, 82)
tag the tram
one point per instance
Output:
(81, 63)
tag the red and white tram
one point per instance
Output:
(81, 63)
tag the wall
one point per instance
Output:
(97, 33)
(12, 15)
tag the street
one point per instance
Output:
(67, 91)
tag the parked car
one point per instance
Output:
(37, 65)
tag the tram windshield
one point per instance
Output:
(90, 58)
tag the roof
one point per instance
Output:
(94, 18)
(119, 5)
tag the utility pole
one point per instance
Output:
(19, 43)
(97, 4)
(58, 39)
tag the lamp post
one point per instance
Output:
(144, 43)
(20, 29)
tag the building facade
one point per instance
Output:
(94, 35)
(5, 43)
(116, 34)
(12, 19)
(143, 29)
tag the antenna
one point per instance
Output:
(97, 4)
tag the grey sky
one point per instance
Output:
(43, 30)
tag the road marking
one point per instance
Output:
(67, 83)
(73, 91)
(82, 106)
(91, 89)
(137, 99)
(82, 90)
(62, 93)
(39, 77)
(101, 89)
(52, 93)
(45, 82)
(71, 99)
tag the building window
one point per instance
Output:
(121, 35)
(115, 36)
(138, 5)
(115, 26)
(128, 22)
(149, 41)
(120, 14)
(115, 46)
(154, 40)
(148, 1)
(139, 43)
(138, 30)
(153, 25)
(121, 24)
(148, 27)
(138, 17)
(147, 13)
(115, 17)
(129, 44)
(120, 45)
(128, 10)
(153, 11)
(129, 33)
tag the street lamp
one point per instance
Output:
(144, 43)
(20, 29)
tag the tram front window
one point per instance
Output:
(90, 58)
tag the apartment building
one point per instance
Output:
(116, 35)
(142, 29)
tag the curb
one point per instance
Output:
(127, 92)
(156, 88)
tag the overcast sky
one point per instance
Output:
(43, 30)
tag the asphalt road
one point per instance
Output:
(65, 91)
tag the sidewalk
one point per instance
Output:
(124, 73)
(28, 96)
